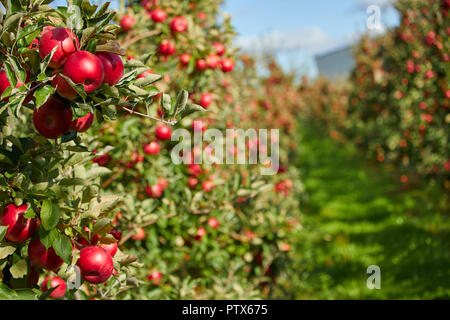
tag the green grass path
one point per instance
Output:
(356, 215)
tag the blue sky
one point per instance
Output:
(299, 29)
(296, 30)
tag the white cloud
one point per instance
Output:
(309, 40)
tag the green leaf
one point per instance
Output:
(3, 232)
(43, 94)
(101, 205)
(30, 213)
(102, 226)
(147, 80)
(71, 182)
(19, 269)
(166, 103)
(22, 294)
(47, 237)
(79, 88)
(63, 247)
(190, 109)
(49, 215)
(182, 100)
(6, 250)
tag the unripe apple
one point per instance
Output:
(152, 148)
(179, 24)
(139, 234)
(185, 58)
(200, 64)
(220, 48)
(95, 264)
(112, 66)
(206, 100)
(163, 132)
(227, 65)
(127, 22)
(85, 68)
(53, 282)
(158, 15)
(19, 228)
(84, 123)
(42, 257)
(213, 222)
(110, 248)
(167, 47)
(66, 41)
(53, 119)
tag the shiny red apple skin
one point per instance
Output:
(206, 100)
(66, 41)
(53, 119)
(84, 123)
(95, 264)
(85, 68)
(163, 132)
(179, 24)
(42, 257)
(112, 66)
(19, 228)
(52, 282)
(127, 22)
(111, 248)
(158, 15)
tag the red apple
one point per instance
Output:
(139, 235)
(4, 84)
(212, 61)
(206, 100)
(199, 125)
(112, 66)
(167, 47)
(19, 228)
(110, 248)
(158, 15)
(192, 182)
(207, 186)
(95, 264)
(33, 277)
(201, 232)
(53, 282)
(42, 257)
(200, 64)
(34, 44)
(64, 39)
(152, 148)
(220, 48)
(195, 169)
(85, 68)
(144, 74)
(63, 87)
(227, 65)
(155, 276)
(155, 191)
(179, 24)
(127, 22)
(185, 58)
(84, 123)
(213, 222)
(163, 132)
(53, 119)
